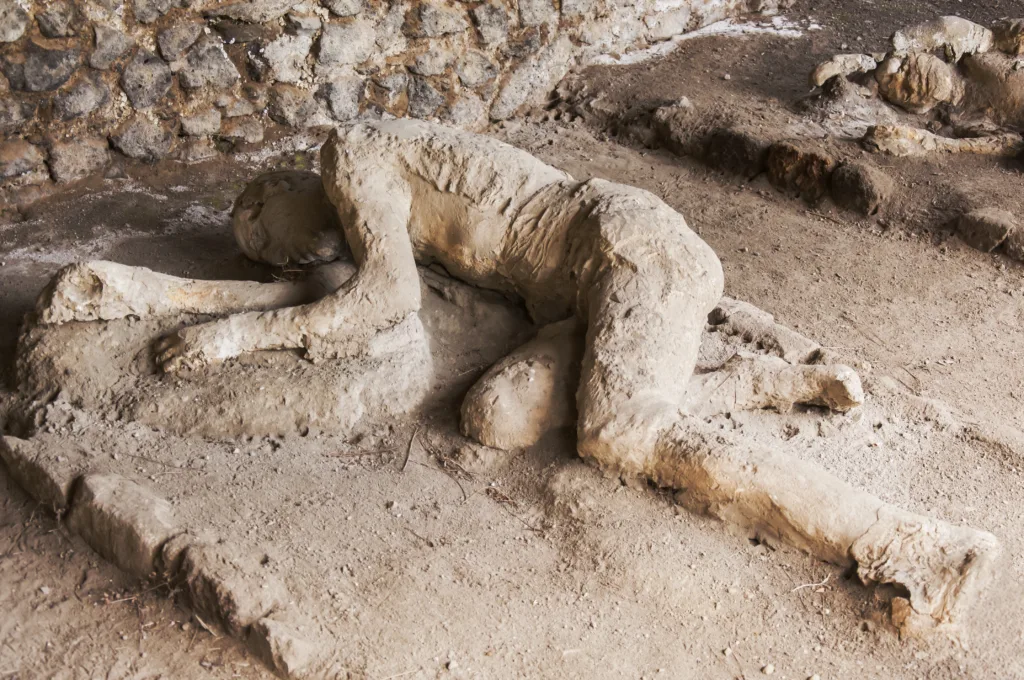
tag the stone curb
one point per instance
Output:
(134, 528)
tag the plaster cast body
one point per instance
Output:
(629, 287)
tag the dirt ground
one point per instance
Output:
(534, 565)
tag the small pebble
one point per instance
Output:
(768, 669)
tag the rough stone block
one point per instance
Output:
(78, 158)
(227, 591)
(987, 228)
(143, 139)
(13, 21)
(57, 20)
(346, 44)
(286, 57)
(47, 69)
(533, 79)
(345, 8)
(146, 80)
(491, 20)
(667, 25)
(126, 523)
(148, 11)
(202, 122)
(433, 62)
(437, 19)
(207, 64)
(111, 44)
(476, 69)
(175, 40)
(246, 130)
(45, 468)
(424, 99)
(18, 157)
(82, 98)
(536, 12)
(280, 645)
(343, 96)
(862, 188)
(253, 11)
(293, 106)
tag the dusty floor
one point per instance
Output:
(558, 572)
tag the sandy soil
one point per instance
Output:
(534, 565)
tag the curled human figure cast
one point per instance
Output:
(622, 289)
(969, 74)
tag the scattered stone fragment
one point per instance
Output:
(110, 45)
(82, 98)
(44, 467)
(78, 158)
(350, 43)
(282, 647)
(143, 139)
(18, 157)
(862, 188)
(987, 228)
(476, 69)
(57, 20)
(47, 70)
(148, 11)
(122, 521)
(254, 11)
(491, 21)
(343, 96)
(536, 12)
(437, 19)
(13, 20)
(286, 57)
(227, 592)
(175, 40)
(202, 122)
(801, 169)
(208, 65)
(344, 8)
(245, 130)
(433, 62)
(290, 105)
(424, 99)
(146, 80)
(738, 151)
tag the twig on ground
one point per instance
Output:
(812, 585)
(408, 450)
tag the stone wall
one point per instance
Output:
(82, 79)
